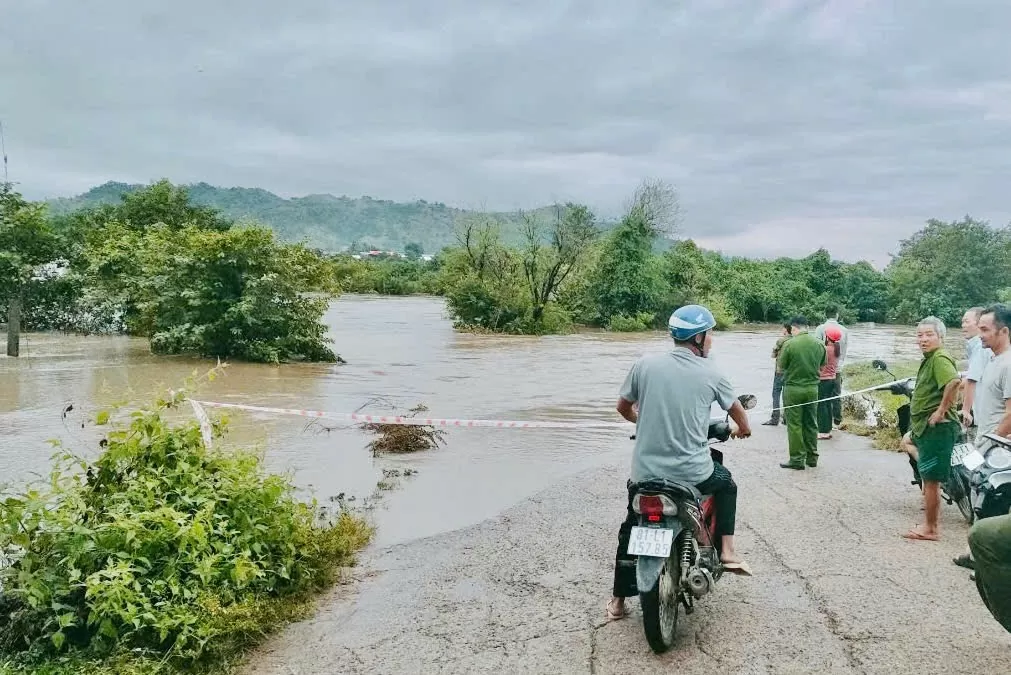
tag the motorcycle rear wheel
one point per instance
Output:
(660, 608)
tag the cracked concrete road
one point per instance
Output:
(836, 590)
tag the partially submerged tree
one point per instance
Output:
(547, 267)
(27, 244)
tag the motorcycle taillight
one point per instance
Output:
(651, 507)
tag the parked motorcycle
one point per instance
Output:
(957, 489)
(678, 552)
(990, 477)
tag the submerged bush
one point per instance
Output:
(163, 548)
(621, 323)
(398, 439)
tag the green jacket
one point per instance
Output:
(779, 348)
(800, 360)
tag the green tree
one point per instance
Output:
(866, 292)
(546, 268)
(946, 267)
(27, 243)
(627, 280)
(233, 294)
(414, 250)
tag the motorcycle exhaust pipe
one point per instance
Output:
(700, 582)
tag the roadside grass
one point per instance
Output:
(884, 434)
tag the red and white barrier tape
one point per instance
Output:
(360, 418)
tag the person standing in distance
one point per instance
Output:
(833, 320)
(827, 391)
(801, 361)
(978, 356)
(777, 380)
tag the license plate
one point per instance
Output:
(959, 452)
(653, 542)
(973, 460)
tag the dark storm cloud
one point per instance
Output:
(811, 120)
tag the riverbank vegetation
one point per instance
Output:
(160, 554)
(158, 266)
(632, 276)
(194, 281)
(884, 405)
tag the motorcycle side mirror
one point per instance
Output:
(878, 364)
(749, 401)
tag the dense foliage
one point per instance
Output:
(181, 274)
(540, 272)
(623, 282)
(946, 267)
(161, 548)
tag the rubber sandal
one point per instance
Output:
(742, 568)
(916, 536)
(611, 616)
(965, 561)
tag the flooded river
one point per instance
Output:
(403, 349)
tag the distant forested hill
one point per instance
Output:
(326, 221)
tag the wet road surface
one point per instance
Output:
(836, 590)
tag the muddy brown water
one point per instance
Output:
(405, 351)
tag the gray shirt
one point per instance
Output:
(675, 392)
(992, 392)
(978, 356)
(819, 333)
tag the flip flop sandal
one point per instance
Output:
(916, 536)
(742, 568)
(612, 616)
(965, 561)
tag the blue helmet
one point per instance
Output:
(691, 320)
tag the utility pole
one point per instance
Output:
(14, 304)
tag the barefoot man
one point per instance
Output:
(934, 424)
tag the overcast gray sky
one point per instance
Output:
(784, 124)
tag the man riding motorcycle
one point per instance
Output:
(669, 398)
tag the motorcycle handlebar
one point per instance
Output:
(719, 430)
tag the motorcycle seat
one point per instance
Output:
(673, 489)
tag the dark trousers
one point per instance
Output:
(837, 404)
(720, 485)
(826, 409)
(777, 397)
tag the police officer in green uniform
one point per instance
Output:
(800, 361)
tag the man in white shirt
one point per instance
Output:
(979, 356)
(832, 311)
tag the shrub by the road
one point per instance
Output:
(860, 375)
(160, 555)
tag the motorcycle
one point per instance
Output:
(991, 477)
(678, 552)
(957, 489)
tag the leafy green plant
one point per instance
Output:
(642, 321)
(163, 548)
(860, 375)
